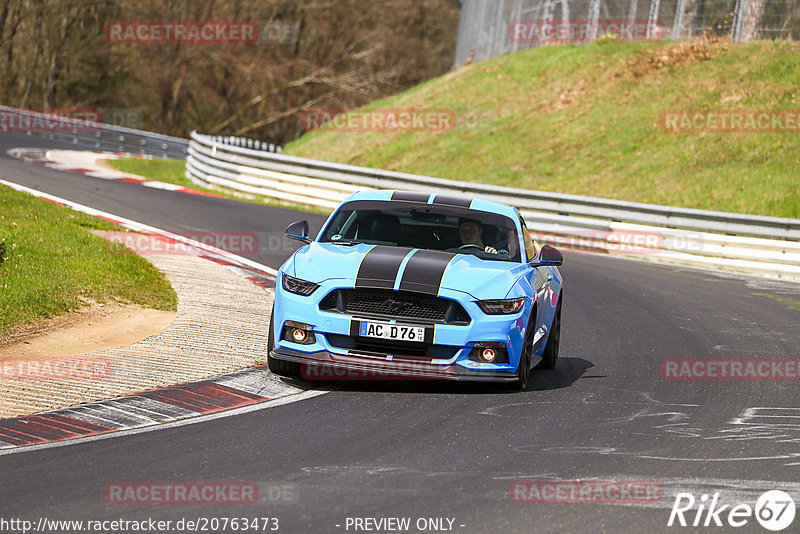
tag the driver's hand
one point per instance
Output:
(490, 250)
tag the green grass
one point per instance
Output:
(173, 171)
(53, 264)
(584, 119)
(790, 303)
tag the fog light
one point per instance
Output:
(298, 335)
(297, 332)
(489, 352)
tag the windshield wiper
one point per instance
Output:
(346, 243)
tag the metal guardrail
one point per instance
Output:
(238, 166)
(768, 246)
(97, 136)
(679, 234)
(247, 142)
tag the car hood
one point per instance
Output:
(418, 270)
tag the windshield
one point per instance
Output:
(486, 235)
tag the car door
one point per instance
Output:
(539, 276)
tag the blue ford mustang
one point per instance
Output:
(402, 284)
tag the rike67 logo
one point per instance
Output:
(774, 510)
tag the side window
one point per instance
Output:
(530, 249)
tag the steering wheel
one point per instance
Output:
(473, 245)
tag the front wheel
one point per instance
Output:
(523, 372)
(276, 366)
(550, 355)
(524, 367)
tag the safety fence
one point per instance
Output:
(489, 28)
(746, 243)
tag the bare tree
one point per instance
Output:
(10, 19)
(347, 53)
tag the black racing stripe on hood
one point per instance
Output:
(380, 265)
(424, 271)
(445, 200)
(411, 196)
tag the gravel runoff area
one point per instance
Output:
(221, 326)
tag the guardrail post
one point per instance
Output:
(676, 26)
(739, 14)
(594, 16)
(655, 6)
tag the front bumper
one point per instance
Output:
(324, 365)
(334, 347)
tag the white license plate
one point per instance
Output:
(397, 332)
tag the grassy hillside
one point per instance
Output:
(585, 119)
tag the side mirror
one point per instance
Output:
(548, 256)
(298, 231)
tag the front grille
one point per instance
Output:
(386, 303)
(381, 347)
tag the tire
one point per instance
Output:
(279, 367)
(524, 367)
(550, 356)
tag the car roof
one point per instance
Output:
(478, 204)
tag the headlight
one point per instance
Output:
(502, 306)
(298, 286)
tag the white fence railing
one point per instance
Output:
(767, 246)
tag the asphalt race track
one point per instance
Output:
(419, 450)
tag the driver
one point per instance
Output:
(470, 231)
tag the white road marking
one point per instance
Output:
(105, 175)
(162, 185)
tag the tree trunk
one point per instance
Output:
(753, 19)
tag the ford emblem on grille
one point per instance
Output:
(396, 305)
